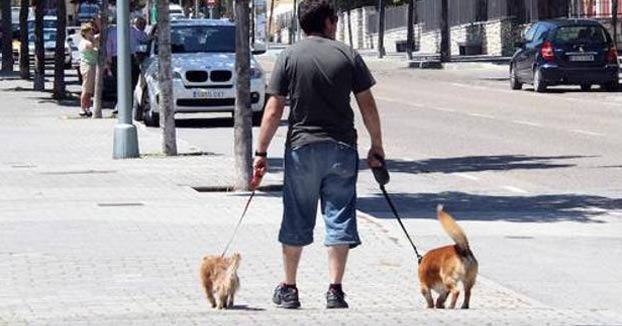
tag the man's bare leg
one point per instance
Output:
(291, 258)
(337, 258)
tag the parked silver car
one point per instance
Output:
(203, 60)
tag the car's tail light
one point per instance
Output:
(612, 55)
(547, 51)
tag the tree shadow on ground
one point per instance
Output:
(475, 207)
(478, 164)
(463, 164)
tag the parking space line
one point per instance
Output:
(466, 176)
(589, 133)
(515, 189)
(527, 123)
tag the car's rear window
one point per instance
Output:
(580, 35)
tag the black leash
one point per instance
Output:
(386, 196)
(235, 231)
(382, 177)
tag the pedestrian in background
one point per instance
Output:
(88, 63)
(321, 161)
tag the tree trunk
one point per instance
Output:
(59, 53)
(270, 21)
(24, 59)
(381, 9)
(7, 38)
(101, 63)
(348, 11)
(39, 81)
(292, 34)
(410, 34)
(445, 42)
(242, 117)
(167, 115)
(614, 21)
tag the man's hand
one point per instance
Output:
(372, 161)
(260, 166)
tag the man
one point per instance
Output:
(137, 38)
(321, 160)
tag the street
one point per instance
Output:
(531, 178)
(531, 175)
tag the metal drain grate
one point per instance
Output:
(78, 172)
(267, 188)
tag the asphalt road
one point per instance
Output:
(532, 178)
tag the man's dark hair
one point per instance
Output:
(313, 13)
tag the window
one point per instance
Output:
(581, 34)
(195, 39)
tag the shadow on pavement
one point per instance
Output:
(477, 164)
(463, 164)
(475, 207)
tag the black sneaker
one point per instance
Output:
(335, 299)
(286, 297)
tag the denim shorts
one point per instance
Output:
(325, 171)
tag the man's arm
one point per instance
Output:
(269, 124)
(367, 106)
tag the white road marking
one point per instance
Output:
(481, 115)
(527, 123)
(589, 133)
(515, 189)
(466, 176)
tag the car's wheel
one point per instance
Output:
(586, 87)
(611, 86)
(150, 118)
(539, 85)
(514, 82)
(138, 109)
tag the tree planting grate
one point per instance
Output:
(120, 204)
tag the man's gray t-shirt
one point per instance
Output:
(319, 74)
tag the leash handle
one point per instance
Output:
(235, 231)
(381, 173)
(399, 220)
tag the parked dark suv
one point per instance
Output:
(565, 52)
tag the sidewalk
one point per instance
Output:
(85, 239)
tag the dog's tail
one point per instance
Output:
(232, 269)
(453, 229)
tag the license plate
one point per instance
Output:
(581, 58)
(208, 93)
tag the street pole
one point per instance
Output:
(125, 135)
(410, 30)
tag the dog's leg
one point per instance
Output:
(207, 285)
(230, 302)
(454, 297)
(467, 295)
(442, 297)
(427, 294)
(222, 300)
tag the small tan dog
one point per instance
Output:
(219, 276)
(442, 268)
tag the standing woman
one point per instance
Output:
(88, 64)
